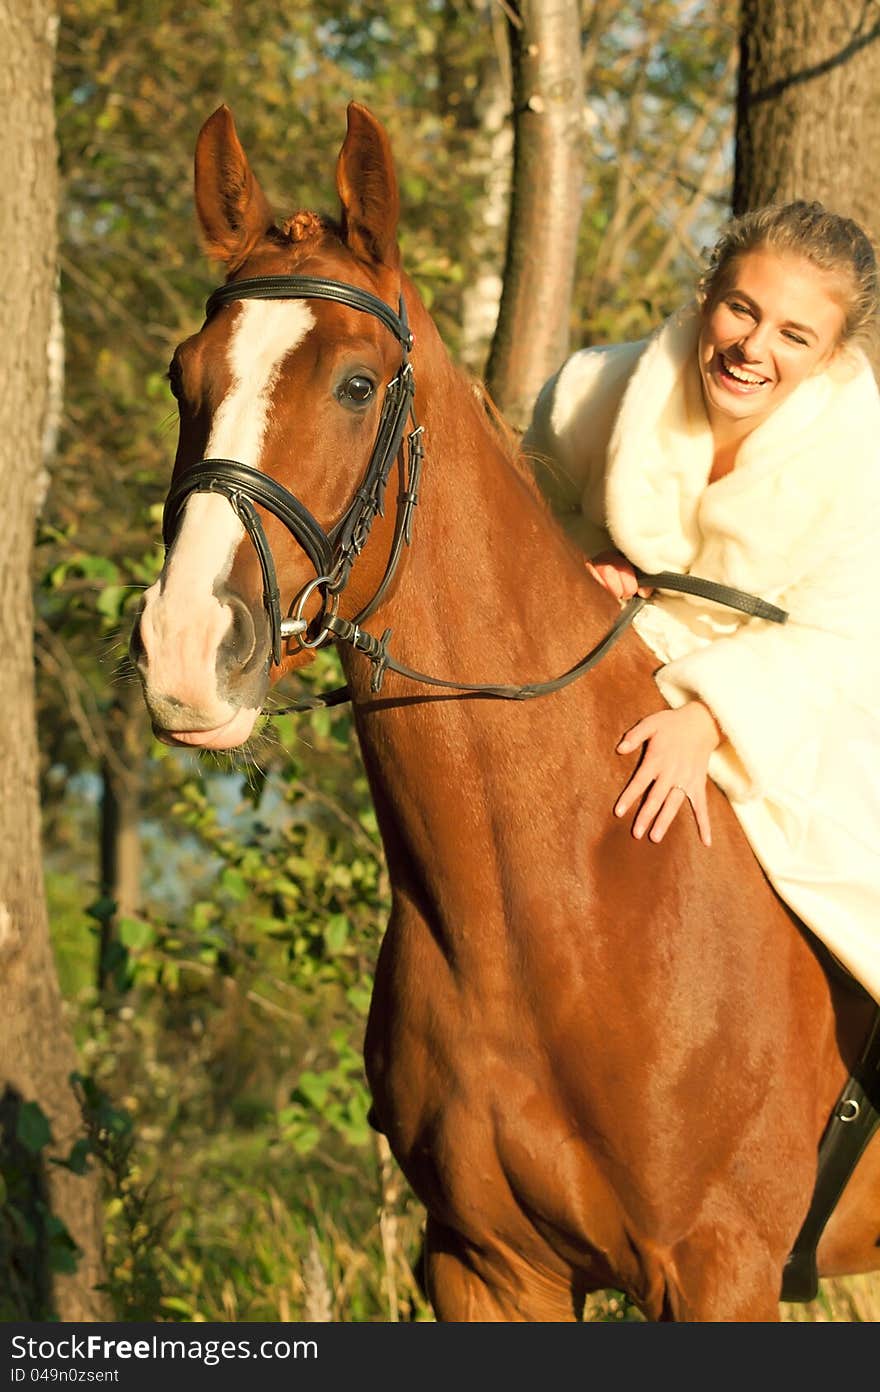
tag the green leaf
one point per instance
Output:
(234, 884)
(313, 1088)
(111, 600)
(97, 568)
(78, 1159)
(359, 997)
(135, 933)
(64, 1257)
(32, 1128)
(336, 931)
(305, 1139)
(56, 577)
(173, 1302)
(103, 908)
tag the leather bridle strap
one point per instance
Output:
(239, 483)
(711, 589)
(331, 554)
(311, 288)
(376, 649)
(234, 479)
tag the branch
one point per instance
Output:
(54, 658)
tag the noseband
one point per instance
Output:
(331, 553)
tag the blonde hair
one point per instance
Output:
(834, 244)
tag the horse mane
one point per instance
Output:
(511, 441)
(510, 438)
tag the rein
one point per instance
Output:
(333, 553)
(376, 649)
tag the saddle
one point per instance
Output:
(853, 1121)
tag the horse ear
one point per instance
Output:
(367, 187)
(233, 210)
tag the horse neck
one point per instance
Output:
(490, 583)
(490, 591)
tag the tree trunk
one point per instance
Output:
(121, 852)
(120, 865)
(532, 336)
(808, 106)
(36, 1051)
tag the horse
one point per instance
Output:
(600, 1063)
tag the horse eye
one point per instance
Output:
(174, 382)
(356, 391)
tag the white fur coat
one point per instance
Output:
(797, 522)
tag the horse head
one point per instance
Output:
(296, 384)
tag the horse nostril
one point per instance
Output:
(136, 650)
(240, 638)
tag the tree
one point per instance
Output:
(660, 85)
(808, 105)
(51, 1209)
(622, 119)
(532, 334)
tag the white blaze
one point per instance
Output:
(183, 622)
(265, 332)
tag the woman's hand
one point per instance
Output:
(615, 573)
(676, 757)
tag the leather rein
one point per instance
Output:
(333, 553)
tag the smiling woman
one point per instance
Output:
(778, 323)
(742, 443)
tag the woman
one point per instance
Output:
(741, 443)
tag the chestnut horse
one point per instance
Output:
(601, 1063)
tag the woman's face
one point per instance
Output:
(777, 323)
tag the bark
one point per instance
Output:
(120, 864)
(808, 106)
(533, 331)
(121, 853)
(36, 1051)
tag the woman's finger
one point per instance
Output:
(634, 790)
(606, 578)
(637, 734)
(701, 813)
(672, 805)
(650, 809)
(614, 572)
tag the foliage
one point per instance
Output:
(659, 126)
(34, 1241)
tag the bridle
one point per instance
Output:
(333, 553)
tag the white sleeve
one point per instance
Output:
(771, 687)
(568, 436)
